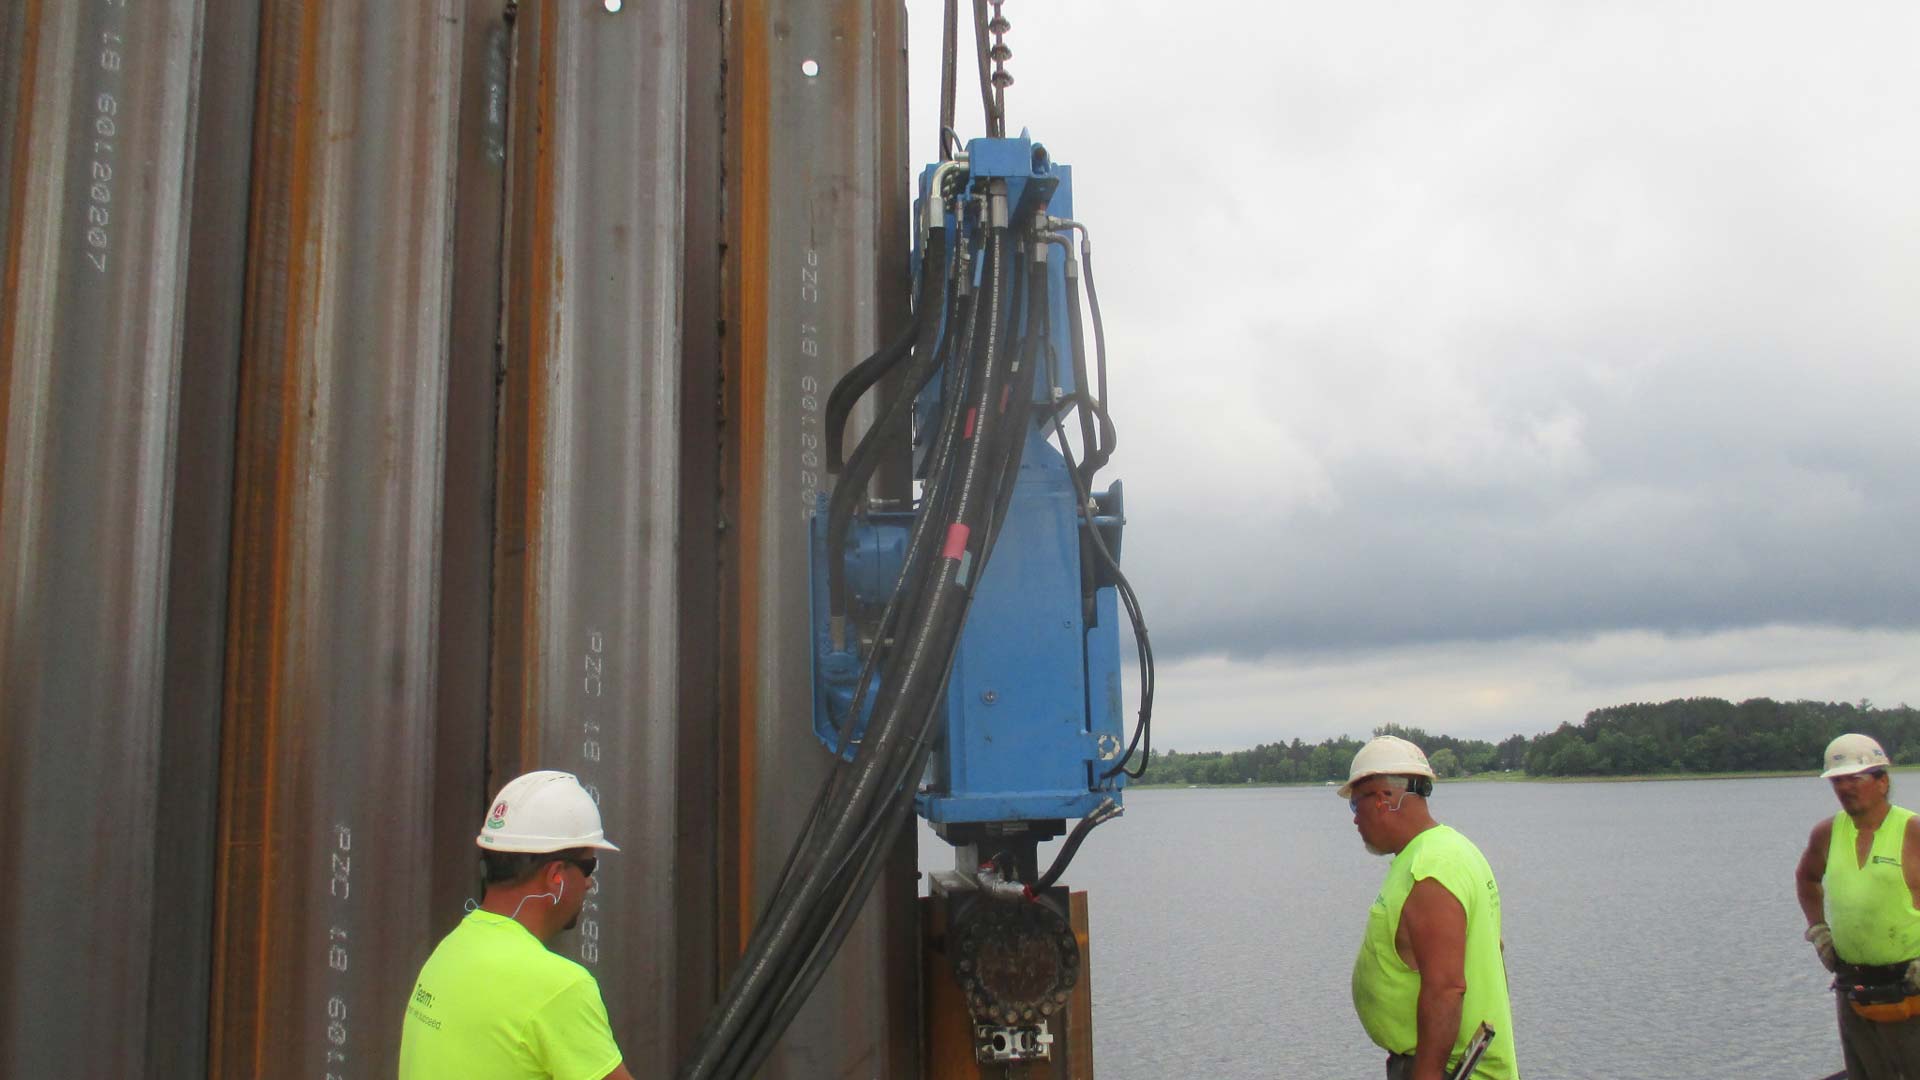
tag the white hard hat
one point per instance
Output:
(1850, 754)
(541, 812)
(1385, 755)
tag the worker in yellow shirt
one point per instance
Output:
(1431, 969)
(1859, 887)
(493, 1002)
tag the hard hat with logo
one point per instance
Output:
(541, 812)
(1851, 754)
(1386, 755)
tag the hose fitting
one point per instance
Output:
(992, 884)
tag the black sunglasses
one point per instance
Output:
(586, 865)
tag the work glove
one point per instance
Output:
(1822, 939)
(1913, 978)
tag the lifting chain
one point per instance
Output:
(1001, 54)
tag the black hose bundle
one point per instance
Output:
(924, 333)
(1106, 811)
(982, 347)
(1142, 740)
(1097, 453)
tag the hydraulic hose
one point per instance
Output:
(850, 882)
(1037, 325)
(1017, 403)
(949, 47)
(934, 499)
(988, 350)
(893, 424)
(1092, 398)
(867, 869)
(913, 665)
(936, 633)
(854, 385)
(912, 568)
(1143, 727)
(834, 936)
(747, 1002)
(1097, 459)
(868, 792)
(1106, 811)
(1082, 385)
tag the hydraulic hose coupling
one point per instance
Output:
(997, 204)
(999, 888)
(963, 276)
(1060, 224)
(934, 208)
(1051, 236)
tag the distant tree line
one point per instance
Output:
(1712, 735)
(1684, 735)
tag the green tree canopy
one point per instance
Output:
(1683, 735)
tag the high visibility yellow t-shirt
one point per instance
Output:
(493, 1003)
(1386, 991)
(1869, 908)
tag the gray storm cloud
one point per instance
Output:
(1498, 322)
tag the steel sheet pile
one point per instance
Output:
(394, 398)
(814, 297)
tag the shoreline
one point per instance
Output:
(1525, 778)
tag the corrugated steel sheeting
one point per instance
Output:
(587, 609)
(700, 905)
(394, 397)
(821, 227)
(327, 770)
(95, 146)
(202, 527)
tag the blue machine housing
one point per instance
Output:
(1034, 181)
(1033, 703)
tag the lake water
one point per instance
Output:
(1651, 929)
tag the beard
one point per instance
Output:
(1371, 850)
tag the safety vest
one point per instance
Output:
(1386, 991)
(1869, 908)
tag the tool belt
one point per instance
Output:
(1877, 992)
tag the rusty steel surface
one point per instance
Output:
(821, 214)
(98, 127)
(466, 549)
(587, 609)
(698, 882)
(201, 532)
(395, 397)
(950, 1052)
(323, 912)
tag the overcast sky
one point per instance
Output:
(1480, 364)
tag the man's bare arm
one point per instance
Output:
(619, 1073)
(1812, 870)
(1436, 928)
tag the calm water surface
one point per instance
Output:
(1651, 929)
